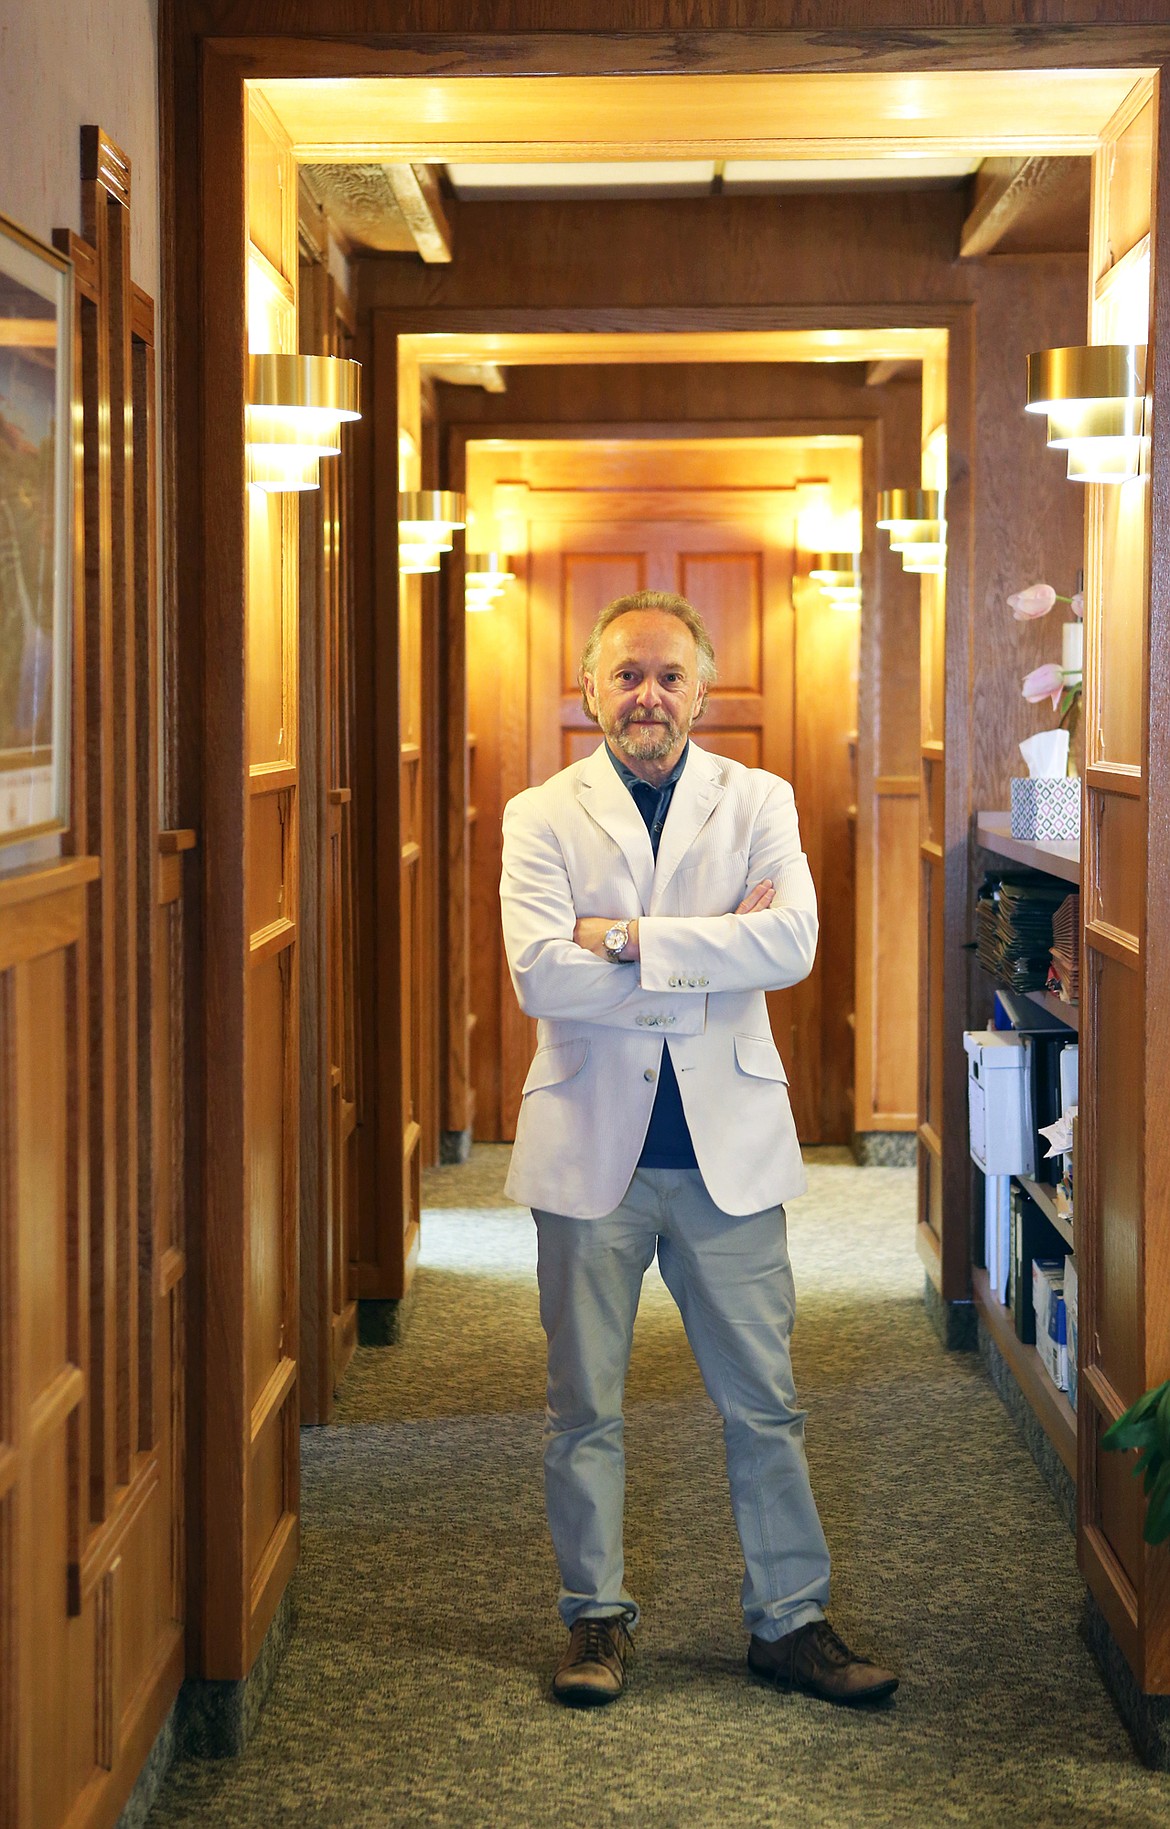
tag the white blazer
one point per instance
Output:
(578, 846)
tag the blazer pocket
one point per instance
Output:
(555, 1063)
(757, 1055)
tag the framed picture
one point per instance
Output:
(36, 534)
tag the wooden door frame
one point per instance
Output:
(947, 1260)
(204, 260)
(458, 435)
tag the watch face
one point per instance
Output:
(616, 938)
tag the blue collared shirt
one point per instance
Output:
(668, 1140)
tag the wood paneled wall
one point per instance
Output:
(92, 1237)
(1123, 1193)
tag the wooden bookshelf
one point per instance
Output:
(1055, 1006)
(1042, 1194)
(994, 832)
(1052, 1408)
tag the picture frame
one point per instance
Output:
(36, 535)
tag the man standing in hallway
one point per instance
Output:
(651, 895)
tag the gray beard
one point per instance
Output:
(638, 748)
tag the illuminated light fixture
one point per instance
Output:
(839, 577)
(311, 395)
(910, 516)
(295, 410)
(417, 556)
(430, 516)
(913, 520)
(283, 473)
(1094, 397)
(485, 577)
(929, 556)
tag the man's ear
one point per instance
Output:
(590, 690)
(700, 702)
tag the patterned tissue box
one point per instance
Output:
(1049, 811)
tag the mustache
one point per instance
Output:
(646, 717)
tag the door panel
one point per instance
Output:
(778, 645)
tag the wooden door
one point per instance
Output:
(785, 698)
(329, 1104)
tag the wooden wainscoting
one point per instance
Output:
(92, 1235)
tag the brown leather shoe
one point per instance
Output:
(815, 1660)
(593, 1669)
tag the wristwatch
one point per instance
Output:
(617, 938)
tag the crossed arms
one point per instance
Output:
(765, 944)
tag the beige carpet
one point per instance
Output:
(415, 1691)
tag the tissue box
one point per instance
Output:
(1047, 810)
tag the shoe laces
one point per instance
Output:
(598, 1640)
(834, 1650)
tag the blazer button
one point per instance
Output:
(649, 1074)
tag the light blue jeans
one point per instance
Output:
(732, 1281)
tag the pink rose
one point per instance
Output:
(1037, 600)
(1077, 604)
(1046, 682)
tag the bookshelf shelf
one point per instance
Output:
(994, 832)
(1065, 1012)
(1052, 1408)
(1042, 1195)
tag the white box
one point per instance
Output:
(1051, 1318)
(999, 1101)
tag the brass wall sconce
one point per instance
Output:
(485, 578)
(1095, 398)
(913, 519)
(296, 408)
(839, 576)
(427, 520)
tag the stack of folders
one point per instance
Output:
(1064, 973)
(1013, 928)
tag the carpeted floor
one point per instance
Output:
(415, 1691)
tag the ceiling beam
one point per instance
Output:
(416, 192)
(488, 375)
(890, 368)
(1028, 206)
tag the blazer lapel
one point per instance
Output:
(606, 799)
(698, 793)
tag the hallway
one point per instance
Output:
(415, 1690)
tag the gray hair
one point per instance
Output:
(668, 604)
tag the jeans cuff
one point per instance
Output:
(771, 1629)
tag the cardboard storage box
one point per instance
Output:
(999, 1101)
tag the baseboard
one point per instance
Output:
(1147, 1718)
(381, 1322)
(885, 1149)
(217, 1719)
(953, 1322)
(153, 1775)
(1055, 1473)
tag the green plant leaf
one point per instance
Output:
(1137, 1425)
(1067, 701)
(1157, 1526)
(1163, 1415)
